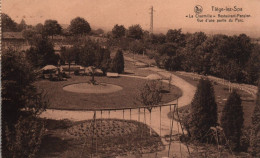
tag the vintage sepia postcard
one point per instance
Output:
(130, 78)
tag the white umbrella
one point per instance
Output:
(49, 67)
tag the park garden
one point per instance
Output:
(122, 93)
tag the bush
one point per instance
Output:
(150, 54)
(203, 111)
(64, 75)
(25, 140)
(137, 47)
(232, 120)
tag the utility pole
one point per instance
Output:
(151, 21)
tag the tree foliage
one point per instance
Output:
(52, 27)
(118, 31)
(25, 139)
(234, 58)
(169, 56)
(203, 112)
(135, 32)
(118, 62)
(232, 120)
(29, 35)
(158, 38)
(79, 26)
(17, 79)
(175, 36)
(42, 53)
(39, 28)
(7, 24)
(21, 103)
(137, 47)
(256, 126)
(22, 26)
(88, 52)
(92, 54)
(150, 93)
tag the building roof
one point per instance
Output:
(12, 35)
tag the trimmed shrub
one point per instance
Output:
(118, 62)
(203, 111)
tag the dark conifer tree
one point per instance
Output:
(118, 62)
(232, 120)
(203, 111)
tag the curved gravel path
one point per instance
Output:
(188, 92)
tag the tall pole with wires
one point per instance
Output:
(151, 20)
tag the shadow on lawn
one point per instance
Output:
(128, 73)
(52, 146)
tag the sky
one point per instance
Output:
(169, 14)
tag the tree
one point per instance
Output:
(88, 53)
(118, 62)
(232, 120)
(22, 26)
(203, 112)
(68, 55)
(79, 26)
(137, 47)
(29, 35)
(51, 27)
(135, 32)
(118, 31)
(169, 57)
(42, 53)
(21, 103)
(39, 28)
(8, 25)
(97, 32)
(256, 126)
(252, 66)
(175, 36)
(150, 95)
(106, 61)
(158, 38)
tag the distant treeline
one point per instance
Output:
(235, 58)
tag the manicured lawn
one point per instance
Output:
(221, 96)
(107, 138)
(127, 97)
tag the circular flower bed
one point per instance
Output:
(92, 88)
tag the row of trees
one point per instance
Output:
(9, 25)
(78, 26)
(134, 31)
(85, 53)
(235, 58)
(92, 54)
